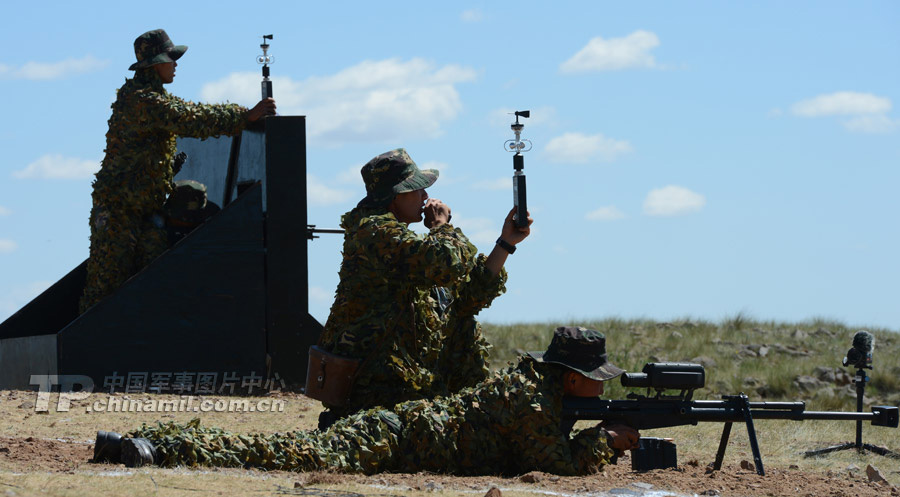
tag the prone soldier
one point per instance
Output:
(508, 424)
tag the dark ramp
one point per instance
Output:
(199, 307)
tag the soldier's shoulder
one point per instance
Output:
(381, 225)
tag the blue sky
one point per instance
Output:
(691, 159)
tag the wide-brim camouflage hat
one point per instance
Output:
(394, 172)
(580, 349)
(155, 47)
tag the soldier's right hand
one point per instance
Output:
(265, 107)
(436, 213)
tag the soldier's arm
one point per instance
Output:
(543, 446)
(441, 258)
(478, 290)
(185, 118)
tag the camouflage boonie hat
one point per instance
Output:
(188, 204)
(155, 47)
(394, 172)
(580, 349)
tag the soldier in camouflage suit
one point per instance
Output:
(127, 225)
(406, 303)
(507, 424)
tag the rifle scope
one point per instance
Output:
(667, 375)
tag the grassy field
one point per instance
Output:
(762, 359)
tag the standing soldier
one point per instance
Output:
(127, 222)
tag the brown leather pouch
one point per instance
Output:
(330, 377)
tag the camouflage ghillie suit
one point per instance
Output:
(508, 424)
(406, 306)
(127, 229)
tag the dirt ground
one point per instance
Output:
(49, 453)
(57, 457)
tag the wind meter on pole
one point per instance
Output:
(518, 146)
(265, 59)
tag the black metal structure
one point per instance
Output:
(230, 298)
(860, 380)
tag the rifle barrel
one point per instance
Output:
(650, 413)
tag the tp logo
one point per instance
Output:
(67, 390)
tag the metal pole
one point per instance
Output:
(860, 393)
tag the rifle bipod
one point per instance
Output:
(744, 405)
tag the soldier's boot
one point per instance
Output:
(137, 452)
(108, 447)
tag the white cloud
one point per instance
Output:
(321, 295)
(608, 213)
(4, 211)
(351, 175)
(442, 167)
(472, 15)
(540, 116)
(842, 103)
(672, 200)
(320, 194)
(632, 51)
(580, 148)
(480, 230)
(53, 70)
(446, 177)
(55, 166)
(7, 246)
(21, 295)
(493, 184)
(373, 101)
(867, 112)
(872, 124)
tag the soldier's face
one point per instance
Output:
(578, 385)
(408, 207)
(166, 71)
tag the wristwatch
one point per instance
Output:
(506, 246)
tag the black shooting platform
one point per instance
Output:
(230, 298)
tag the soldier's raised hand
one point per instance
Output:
(513, 234)
(265, 107)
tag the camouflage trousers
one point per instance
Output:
(462, 363)
(417, 436)
(122, 243)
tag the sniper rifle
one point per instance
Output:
(649, 411)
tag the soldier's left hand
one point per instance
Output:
(623, 437)
(513, 234)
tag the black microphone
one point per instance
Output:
(860, 356)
